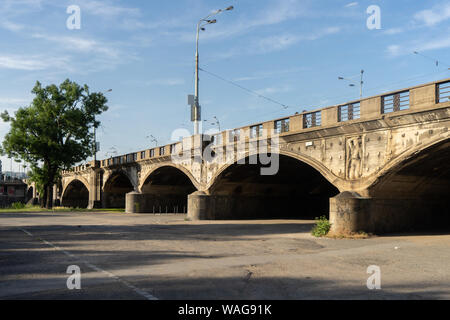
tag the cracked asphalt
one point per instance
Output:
(131, 256)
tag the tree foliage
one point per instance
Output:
(54, 132)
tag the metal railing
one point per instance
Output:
(256, 131)
(395, 102)
(313, 119)
(350, 111)
(443, 92)
(281, 126)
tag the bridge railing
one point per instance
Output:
(422, 97)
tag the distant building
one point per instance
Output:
(12, 190)
(9, 175)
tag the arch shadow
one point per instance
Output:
(414, 195)
(115, 188)
(165, 190)
(75, 195)
(296, 190)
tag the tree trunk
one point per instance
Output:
(43, 200)
(51, 178)
(49, 197)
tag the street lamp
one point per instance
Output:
(216, 123)
(112, 151)
(353, 85)
(153, 139)
(196, 112)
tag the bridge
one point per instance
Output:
(378, 164)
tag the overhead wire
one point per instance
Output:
(285, 107)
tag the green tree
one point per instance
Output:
(54, 132)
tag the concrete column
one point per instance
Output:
(136, 202)
(35, 199)
(329, 116)
(133, 202)
(34, 191)
(199, 206)
(56, 201)
(423, 97)
(349, 213)
(94, 192)
(370, 108)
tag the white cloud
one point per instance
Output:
(393, 31)
(274, 90)
(419, 45)
(11, 104)
(87, 55)
(276, 43)
(166, 82)
(433, 16)
(11, 26)
(435, 44)
(106, 9)
(351, 4)
(269, 74)
(80, 44)
(394, 50)
(30, 63)
(277, 12)
(281, 42)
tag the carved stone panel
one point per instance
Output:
(354, 157)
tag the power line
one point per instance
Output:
(246, 89)
(285, 107)
(433, 59)
(369, 89)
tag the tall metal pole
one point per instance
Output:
(196, 98)
(361, 85)
(196, 117)
(95, 145)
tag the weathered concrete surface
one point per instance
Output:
(403, 155)
(165, 257)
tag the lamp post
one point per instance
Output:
(153, 139)
(196, 112)
(217, 122)
(352, 84)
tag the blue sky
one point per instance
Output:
(290, 51)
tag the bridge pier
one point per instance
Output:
(352, 213)
(199, 206)
(136, 202)
(202, 206)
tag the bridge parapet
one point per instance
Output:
(352, 145)
(400, 102)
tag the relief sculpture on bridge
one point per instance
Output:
(354, 157)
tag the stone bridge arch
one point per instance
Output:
(116, 184)
(75, 193)
(313, 163)
(411, 192)
(147, 173)
(164, 189)
(300, 188)
(419, 153)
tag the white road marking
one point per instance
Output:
(143, 293)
